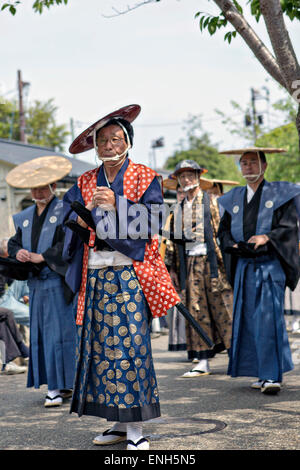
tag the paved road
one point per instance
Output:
(214, 412)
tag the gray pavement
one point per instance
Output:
(214, 412)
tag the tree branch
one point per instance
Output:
(280, 40)
(128, 9)
(258, 48)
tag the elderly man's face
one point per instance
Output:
(41, 193)
(111, 141)
(188, 178)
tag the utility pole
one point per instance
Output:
(253, 119)
(72, 127)
(253, 114)
(154, 145)
(21, 108)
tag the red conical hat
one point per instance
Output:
(84, 141)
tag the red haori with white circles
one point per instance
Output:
(152, 272)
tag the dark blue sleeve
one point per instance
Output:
(72, 241)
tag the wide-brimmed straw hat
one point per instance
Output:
(85, 142)
(226, 182)
(39, 172)
(171, 184)
(253, 149)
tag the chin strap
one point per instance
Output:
(45, 201)
(256, 176)
(188, 188)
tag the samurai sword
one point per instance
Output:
(191, 320)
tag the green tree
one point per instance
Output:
(38, 5)
(41, 127)
(280, 60)
(282, 167)
(199, 148)
(235, 122)
(9, 120)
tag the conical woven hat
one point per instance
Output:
(84, 141)
(171, 183)
(253, 149)
(39, 172)
(228, 182)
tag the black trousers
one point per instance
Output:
(9, 333)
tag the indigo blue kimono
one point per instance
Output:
(52, 320)
(260, 345)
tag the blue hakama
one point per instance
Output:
(260, 346)
(52, 335)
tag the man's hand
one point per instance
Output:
(36, 258)
(259, 240)
(104, 197)
(23, 255)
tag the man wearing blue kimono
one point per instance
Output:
(259, 240)
(38, 242)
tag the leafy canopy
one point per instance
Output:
(41, 128)
(199, 148)
(213, 23)
(38, 5)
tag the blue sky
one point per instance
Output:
(155, 56)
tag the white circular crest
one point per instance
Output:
(53, 219)
(26, 223)
(269, 204)
(235, 209)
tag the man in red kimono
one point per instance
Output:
(120, 279)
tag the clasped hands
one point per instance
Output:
(259, 240)
(25, 256)
(104, 198)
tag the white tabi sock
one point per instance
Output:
(134, 431)
(202, 365)
(53, 393)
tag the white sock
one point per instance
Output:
(202, 365)
(53, 393)
(134, 431)
(119, 427)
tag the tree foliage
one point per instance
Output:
(41, 128)
(38, 5)
(212, 23)
(199, 148)
(282, 167)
